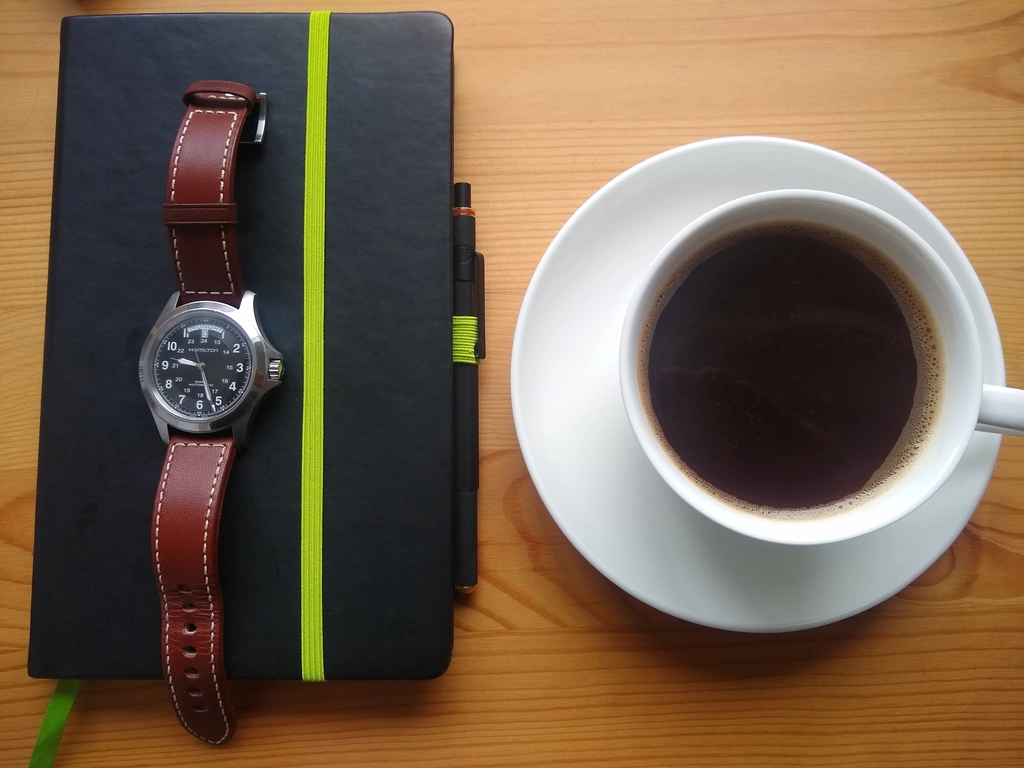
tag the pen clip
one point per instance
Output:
(481, 341)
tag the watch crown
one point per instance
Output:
(275, 370)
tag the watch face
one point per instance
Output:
(203, 365)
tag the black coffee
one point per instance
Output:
(793, 369)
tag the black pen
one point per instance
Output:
(468, 337)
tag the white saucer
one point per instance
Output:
(586, 463)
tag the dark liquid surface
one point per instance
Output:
(782, 370)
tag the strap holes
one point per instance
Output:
(185, 588)
(195, 693)
(199, 709)
(189, 651)
(190, 628)
(188, 607)
(191, 672)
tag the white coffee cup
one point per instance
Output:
(967, 403)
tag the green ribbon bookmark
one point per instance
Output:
(313, 350)
(52, 727)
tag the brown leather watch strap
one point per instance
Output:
(186, 521)
(200, 210)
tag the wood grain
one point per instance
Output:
(553, 665)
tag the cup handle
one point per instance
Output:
(1002, 410)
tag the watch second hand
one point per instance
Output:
(202, 372)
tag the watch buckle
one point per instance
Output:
(252, 131)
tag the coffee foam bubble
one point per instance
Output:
(928, 351)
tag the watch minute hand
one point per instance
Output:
(206, 385)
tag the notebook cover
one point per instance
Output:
(387, 594)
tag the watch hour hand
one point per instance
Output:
(186, 361)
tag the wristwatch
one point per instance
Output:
(204, 368)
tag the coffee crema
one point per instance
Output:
(791, 370)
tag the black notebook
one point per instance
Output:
(387, 552)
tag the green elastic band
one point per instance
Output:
(50, 731)
(464, 339)
(313, 351)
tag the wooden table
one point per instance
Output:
(553, 665)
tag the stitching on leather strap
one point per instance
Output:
(206, 576)
(193, 111)
(209, 595)
(163, 591)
